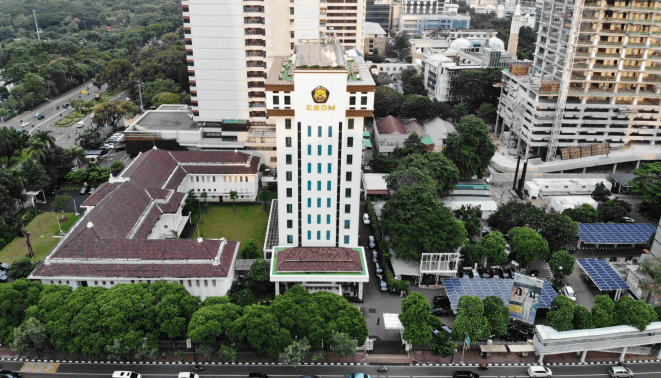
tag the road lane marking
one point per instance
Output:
(39, 367)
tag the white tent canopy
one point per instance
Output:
(405, 268)
(562, 203)
(391, 321)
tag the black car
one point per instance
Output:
(40, 116)
(468, 272)
(258, 375)
(508, 336)
(66, 106)
(497, 272)
(120, 148)
(484, 272)
(465, 374)
(441, 300)
(534, 273)
(439, 311)
(84, 189)
(9, 374)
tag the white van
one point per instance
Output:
(126, 374)
(569, 292)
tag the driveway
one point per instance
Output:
(75, 197)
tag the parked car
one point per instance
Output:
(534, 273)
(484, 272)
(359, 375)
(258, 375)
(441, 300)
(366, 218)
(486, 231)
(498, 272)
(507, 336)
(371, 238)
(383, 286)
(468, 272)
(92, 191)
(439, 311)
(620, 371)
(568, 292)
(120, 147)
(4, 266)
(84, 189)
(508, 249)
(628, 220)
(108, 146)
(80, 124)
(539, 371)
(378, 268)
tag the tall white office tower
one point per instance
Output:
(230, 44)
(317, 98)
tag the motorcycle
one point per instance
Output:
(382, 369)
(483, 367)
(523, 354)
(198, 368)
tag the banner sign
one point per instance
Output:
(525, 298)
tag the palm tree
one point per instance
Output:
(78, 155)
(44, 137)
(233, 195)
(37, 150)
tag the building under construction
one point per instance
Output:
(610, 92)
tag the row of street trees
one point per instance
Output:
(129, 320)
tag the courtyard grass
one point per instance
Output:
(42, 231)
(220, 221)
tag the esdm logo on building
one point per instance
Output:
(320, 95)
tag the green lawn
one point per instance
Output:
(44, 224)
(220, 221)
(16, 160)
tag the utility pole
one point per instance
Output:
(34, 13)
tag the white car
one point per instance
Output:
(125, 374)
(628, 220)
(188, 375)
(108, 146)
(568, 292)
(620, 371)
(539, 371)
(80, 124)
(366, 218)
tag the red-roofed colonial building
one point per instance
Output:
(126, 234)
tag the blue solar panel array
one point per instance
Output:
(615, 232)
(623, 178)
(484, 287)
(603, 274)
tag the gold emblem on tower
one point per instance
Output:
(320, 95)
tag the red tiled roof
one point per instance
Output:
(87, 246)
(143, 270)
(318, 259)
(120, 207)
(414, 127)
(380, 192)
(219, 170)
(391, 125)
(148, 223)
(100, 193)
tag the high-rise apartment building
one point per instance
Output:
(230, 43)
(614, 87)
(380, 12)
(318, 98)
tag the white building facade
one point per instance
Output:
(318, 114)
(230, 45)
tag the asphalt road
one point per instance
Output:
(325, 371)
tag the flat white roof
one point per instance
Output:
(391, 321)
(372, 28)
(375, 181)
(549, 333)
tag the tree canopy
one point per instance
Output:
(416, 319)
(527, 243)
(647, 182)
(432, 168)
(471, 320)
(493, 245)
(475, 87)
(418, 222)
(387, 101)
(470, 148)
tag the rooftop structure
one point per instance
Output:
(603, 275)
(390, 133)
(483, 287)
(126, 233)
(615, 233)
(173, 127)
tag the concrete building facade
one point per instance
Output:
(230, 44)
(614, 88)
(318, 99)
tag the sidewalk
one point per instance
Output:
(471, 357)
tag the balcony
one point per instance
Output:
(259, 53)
(251, 74)
(258, 114)
(254, 63)
(257, 104)
(256, 95)
(253, 20)
(256, 84)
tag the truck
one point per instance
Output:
(97, 95)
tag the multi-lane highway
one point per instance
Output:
(324, 371)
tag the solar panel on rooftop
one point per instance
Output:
(481, 288)
(603, 275)
(616, 233)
